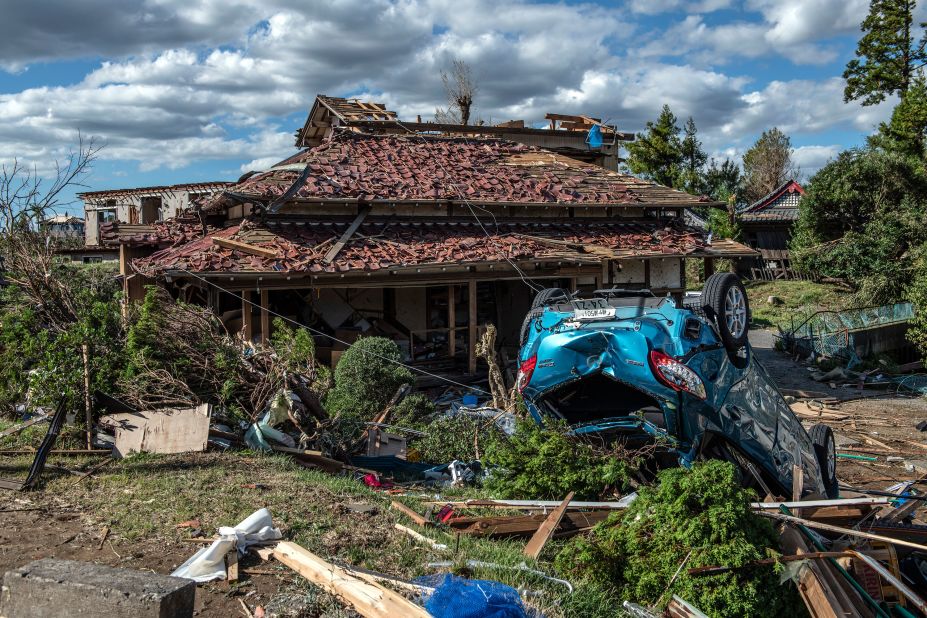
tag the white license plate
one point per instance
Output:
(592, 309)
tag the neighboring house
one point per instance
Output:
(566, 134)
(141, 206)
(64, 227)
(419, 237)
(766, 225)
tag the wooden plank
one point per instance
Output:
(247, 316)
(265, 316)
(573, 522)
(534, 505)
(536, 545)
(21, 426)
(843, 531)
(451, 320)
(160, 431)
(402, 508)
(798, 483)
(231, 565)
(369, 599)
(420, 537)
(471, 324)
(341, 242)
(236, 245)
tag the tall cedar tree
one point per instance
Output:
(767, 164)
(887, 57)
(656, 154)
(691, 177)
(723, 181)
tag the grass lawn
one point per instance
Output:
(799, 299)
(142, 498)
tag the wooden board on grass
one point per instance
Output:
(184, 430)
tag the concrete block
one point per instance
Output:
(50, 588)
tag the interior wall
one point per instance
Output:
(628, 272)
(664, 273)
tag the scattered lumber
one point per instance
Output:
(843, 531)
(803, 410)
(17, 428)
(536, 545)
(571, 524)
(237, 245)
(178, 430)
(402, 508)
(368, 598)
(420, 537)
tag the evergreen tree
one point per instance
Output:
(691, 177)
(656, 154)
(723, 181)
(906, 132)
(887, 57)
(767, 164)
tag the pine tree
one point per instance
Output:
(767, 164)
(887, 57)
(723, 181)
(691, 177)
(656, 154)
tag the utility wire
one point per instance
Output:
(324, 334)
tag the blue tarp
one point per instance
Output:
(457, 597)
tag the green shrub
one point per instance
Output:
(545, 463)
(366, 378)
(702, 514)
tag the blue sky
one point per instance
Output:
(193, 90)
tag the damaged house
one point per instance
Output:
(420, 236)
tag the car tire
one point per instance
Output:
(724, 300)
(526, 325)
(549, 296)
(825, 449)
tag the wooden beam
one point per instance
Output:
(265, 316)
(402, 508)
(247, 316)
(471, 323)
(709, 267)
(369, 599)
(451, 320)
(536, 545)
(338, 246)
(237, 245)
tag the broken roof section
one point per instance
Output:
(354, 167)
(780, 204)
(191, 187)
(301, 246)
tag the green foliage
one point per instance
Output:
(722, 182)
(545, 463)
(887, 57)
(691, 178)
(767, 164)
(906, 132)
(366, 378)
(917, 294)
(862, 220)
(413, 411)
(47, 363)
(701, 514)
(656, 154)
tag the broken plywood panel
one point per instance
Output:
(182, 430)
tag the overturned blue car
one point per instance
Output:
(626, 365)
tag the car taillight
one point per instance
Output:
(524, 373)
(676, 375)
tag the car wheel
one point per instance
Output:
(724, 299)
(549, 296)
(526, 325)
(826, 451)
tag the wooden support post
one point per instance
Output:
(451, 320)
(605, 280)
(709, 267)
(265, 317)
(647, 275)
(85, 354)
(471, 307)
(247, 316)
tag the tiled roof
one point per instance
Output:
(300, 246)
(164, 233)
(195, 187)
(780, 204)
(393, 168)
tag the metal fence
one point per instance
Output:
(830, 333)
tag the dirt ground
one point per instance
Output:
(67, 520)
(879, 424)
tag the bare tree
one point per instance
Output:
(768, 164)
(460, 87)
(28, 252)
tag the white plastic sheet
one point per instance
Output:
(209, 563)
